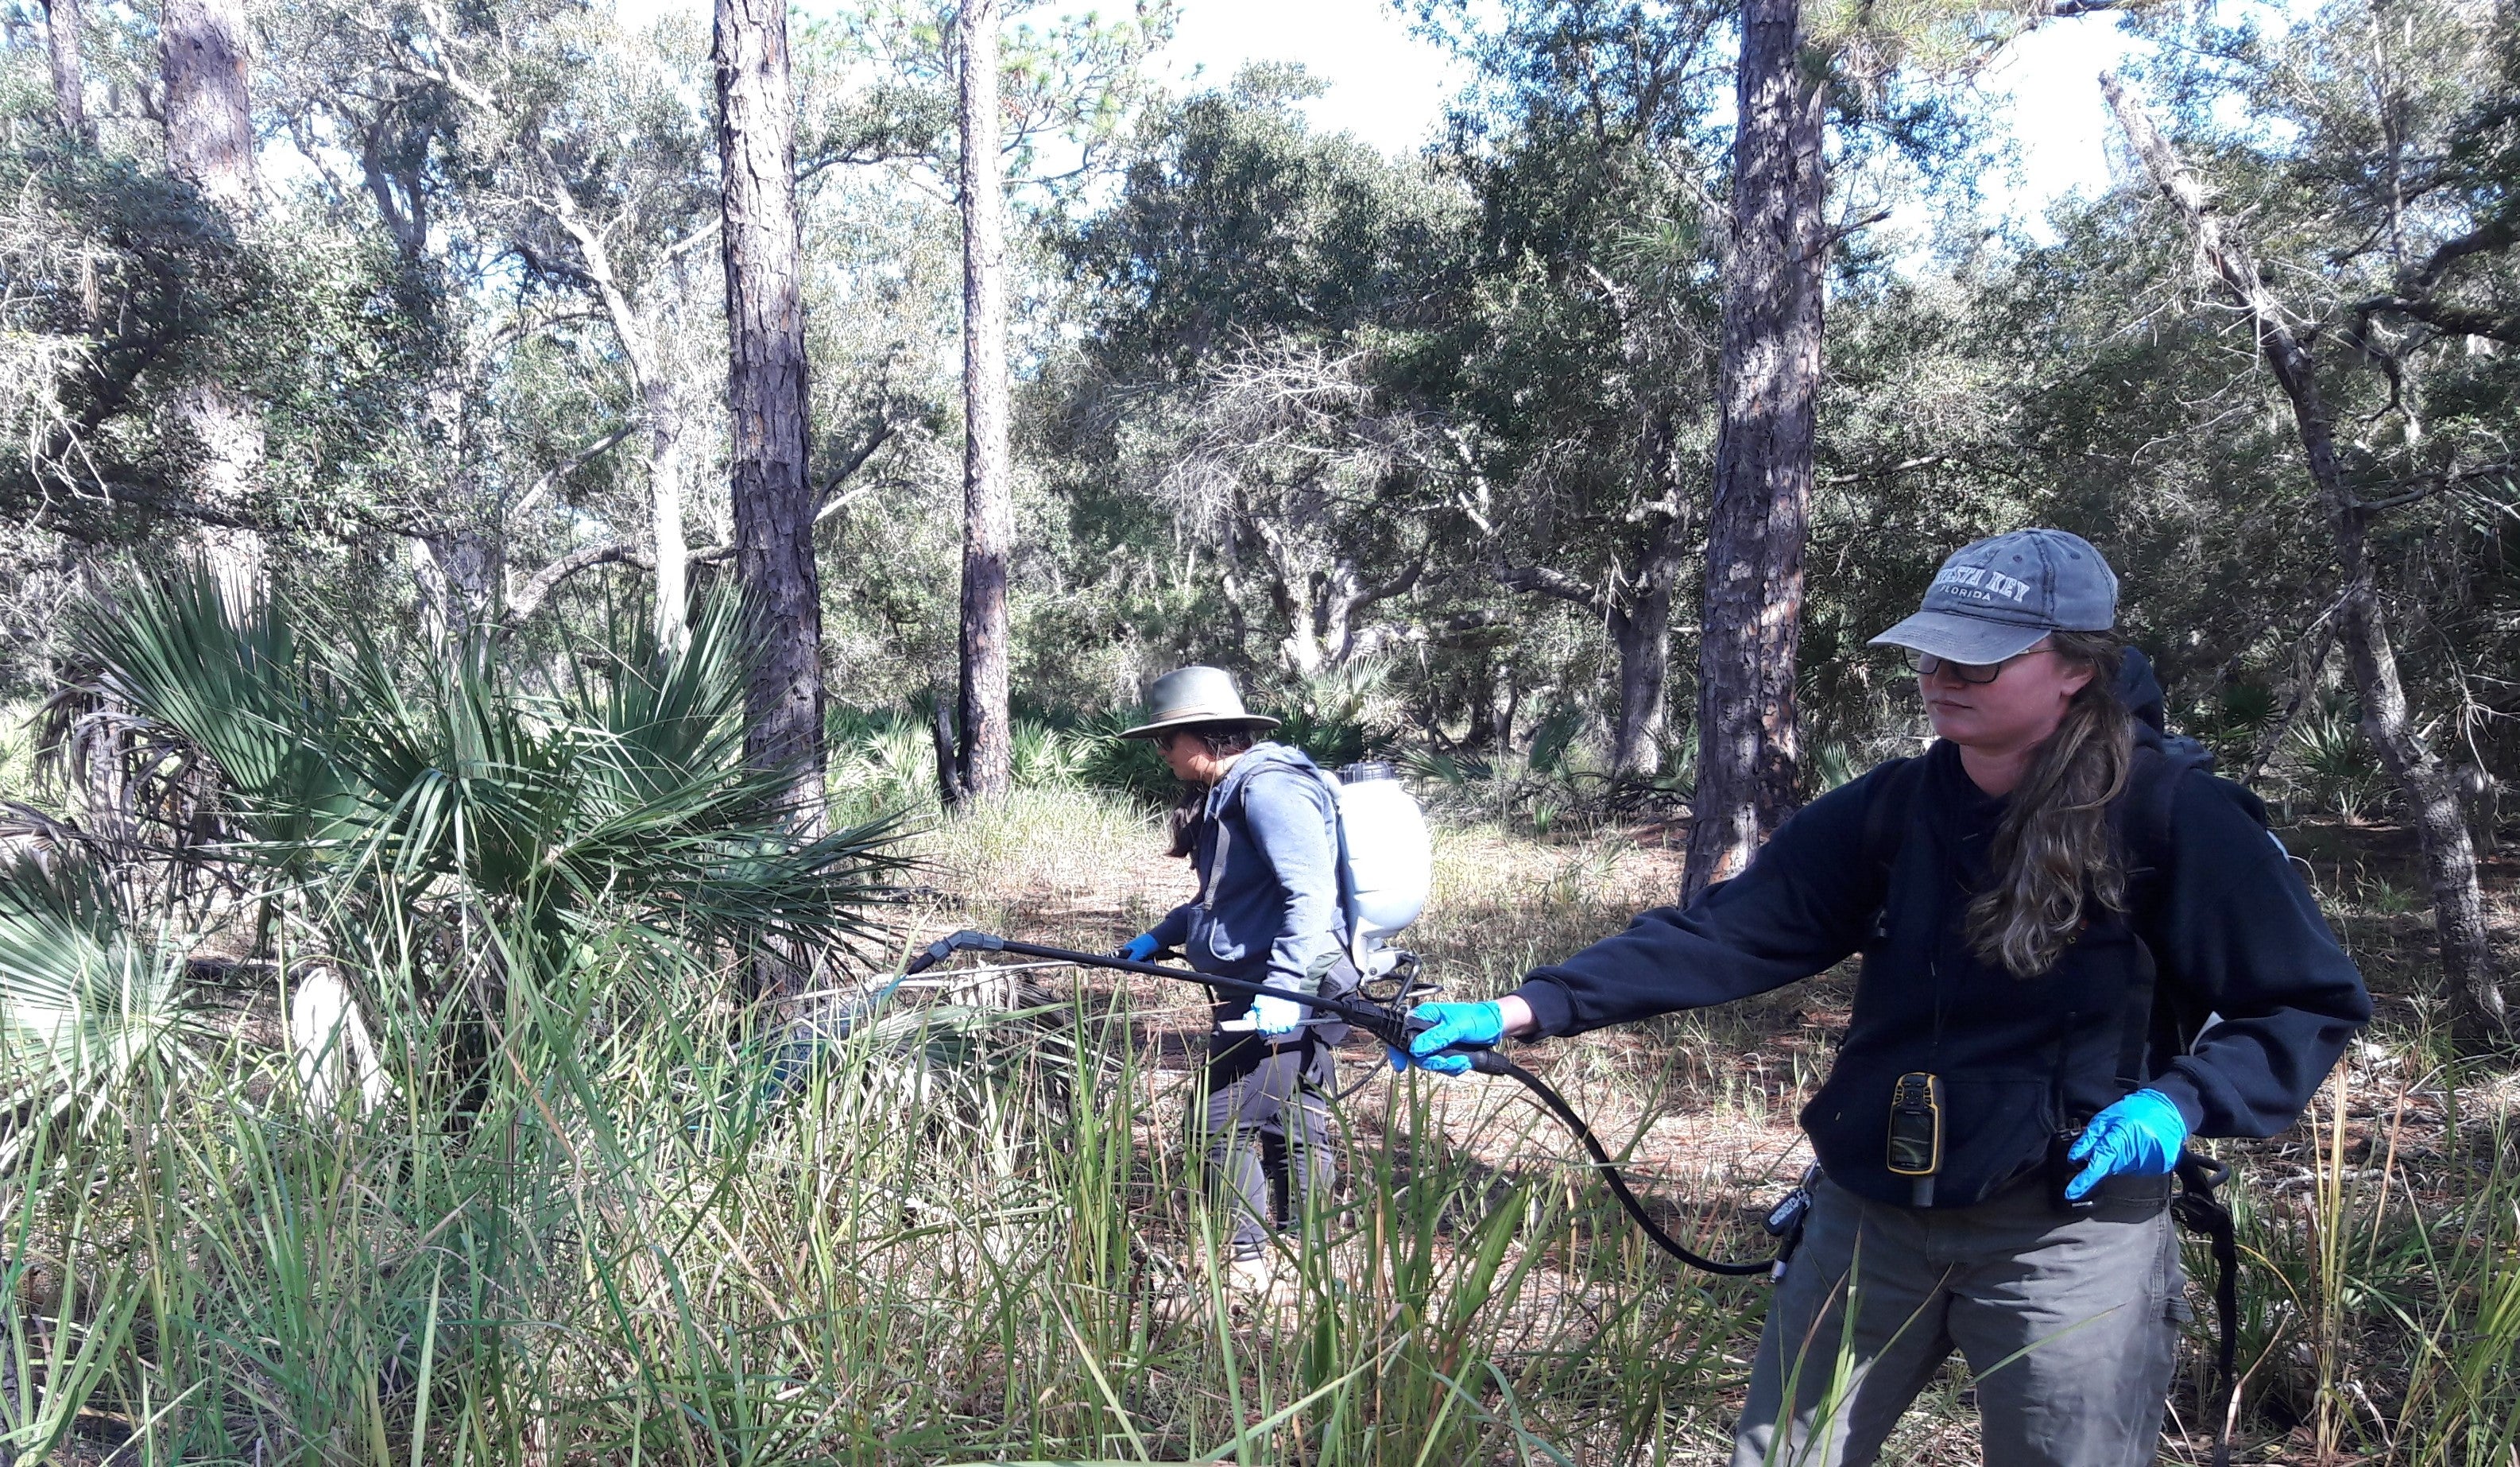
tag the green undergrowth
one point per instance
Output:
(961, 1232)
(660, 1229)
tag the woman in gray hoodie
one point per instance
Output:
(1264, 841)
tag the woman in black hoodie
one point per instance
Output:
(2053, 997)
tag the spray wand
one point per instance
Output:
(1394, 1027)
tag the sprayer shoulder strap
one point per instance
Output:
(1238, 794)
(2151, 799)
(1891, 812)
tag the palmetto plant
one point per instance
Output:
(626, 789)
(2338, 764)
(1047, 758)
(86, 1002)
(447, 825)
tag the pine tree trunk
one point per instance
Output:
(2429, 786)
(1640, 633)
(203, 60)
(985, 760)
(1747, 747)
(209, 127)
(63, 27)
(772, 500)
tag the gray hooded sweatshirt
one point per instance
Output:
(1268, 907)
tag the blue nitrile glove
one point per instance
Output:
(1275, 1016)
(2139, 1136)
(1139, 948)
(1477, 1024)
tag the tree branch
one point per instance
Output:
(627, 328)
(1831, 240)
(570, 465)
(1886, 471)
(2420, 486)
(825, 503)
(1399, 585)
(2450, 320)
(2491, 237)
(1540, 580)
(2284, 354)
(530, 597)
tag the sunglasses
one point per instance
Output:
(1975, 673)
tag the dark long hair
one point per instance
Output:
(2054, 851)
(1184, 818)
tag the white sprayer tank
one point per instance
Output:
(1390, 856)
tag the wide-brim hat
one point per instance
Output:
(1993, 600)
(1197, 698)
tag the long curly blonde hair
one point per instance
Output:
(2054, 852)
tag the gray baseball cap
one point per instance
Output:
(1995, 597)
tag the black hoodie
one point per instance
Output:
(2228, 922)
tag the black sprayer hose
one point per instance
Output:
(1388, 1023)
(1609, 1169)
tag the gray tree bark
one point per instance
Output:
(63, 31)
(984, 761)
(204, 50)
(202, 57)
(1747, 741)
(458, 573)
(2429, 786)
(664, 425)
(1636, 614)
(1323, 604)
(644, 339)
(773, 498)
(1641, 631)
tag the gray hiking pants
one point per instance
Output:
(1267, 1128)
(2069, 1324)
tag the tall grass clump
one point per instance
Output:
(2380, 1300)
(1043, 848)
(955, 1239)
(883, 763)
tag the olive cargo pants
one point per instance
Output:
(2069, 1324)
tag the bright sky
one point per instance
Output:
(1386, 86)
(1389, 87)
(2047, 86)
